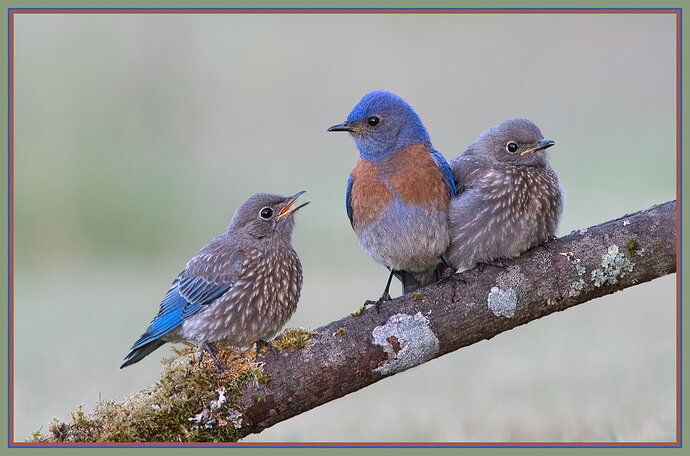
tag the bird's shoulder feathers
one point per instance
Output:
(469, 170)
(220, 261)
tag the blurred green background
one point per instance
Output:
(137, 136)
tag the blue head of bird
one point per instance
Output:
(382, 123)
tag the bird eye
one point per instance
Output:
(266, 213)
(373, 121)
(512, 147)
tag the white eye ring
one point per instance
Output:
(265, 213)
(512, 147)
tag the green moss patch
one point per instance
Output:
(358, 312)
(189, 403)
(633, 246)
(293, 339)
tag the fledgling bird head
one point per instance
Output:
(516, 141)
(382, 123)
(267, 217)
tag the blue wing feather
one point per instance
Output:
(447, 173)
(186, 297)
(348, 200)
(194, 288)
(198, 292)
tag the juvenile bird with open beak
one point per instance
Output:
(240, 289)
(509, 196)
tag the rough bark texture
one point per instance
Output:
(468, 307)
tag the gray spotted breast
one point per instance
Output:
(260, 302)
(505, 211)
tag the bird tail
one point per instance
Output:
(413, 281)
(139, 353)
(169, 317)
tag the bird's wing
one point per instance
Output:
(208, 275)
(447, 173)
(199, 292)
(348, 200)
(466, 170)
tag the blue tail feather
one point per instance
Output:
(138, 354)
(169, 317)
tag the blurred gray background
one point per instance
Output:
(137, 136)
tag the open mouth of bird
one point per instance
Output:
(290, 207)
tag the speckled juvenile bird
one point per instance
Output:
(399, 190)
(241, 288)
(509, 197)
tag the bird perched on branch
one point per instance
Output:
(399, 190)
(509, 197)
(241, 288)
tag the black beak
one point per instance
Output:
(340, 127)
(546, 143)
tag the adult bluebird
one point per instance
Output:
(509, 197)
(241, 288)
(399, 190)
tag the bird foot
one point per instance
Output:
(384, 297)
(495, 263)
(545, 244)
(447, 272)
(459, 279)
(206, 347)
(262, 345)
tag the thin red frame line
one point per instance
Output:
(353, 444)
(338, 11)
(12, 12)
(10, 171)
(678, 224)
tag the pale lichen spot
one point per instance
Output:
(614, 266)
(407, 341)
(234, 418)
(579, 267)
(514, 279)
(502, 302)
(576, 288)
(577, 262)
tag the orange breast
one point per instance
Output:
(417, 178)
(369, 195)
(411, 173)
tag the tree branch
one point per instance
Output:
(354, 352)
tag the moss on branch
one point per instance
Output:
(191, 402)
